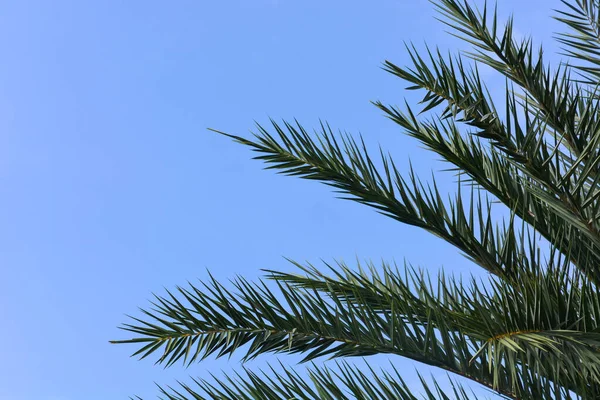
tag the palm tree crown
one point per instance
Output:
(530, 331)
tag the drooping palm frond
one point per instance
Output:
(217, 321)
(346, 382)
(529, 331)
(487, 334)
(481, 311)
(349, 168)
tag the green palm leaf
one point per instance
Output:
(343, 383)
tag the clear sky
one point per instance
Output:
(111, 188)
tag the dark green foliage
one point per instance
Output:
(530, 331)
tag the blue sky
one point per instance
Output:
(112, 188)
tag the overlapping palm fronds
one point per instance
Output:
(530, 331)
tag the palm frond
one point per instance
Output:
(489, 335)
(520, 165)
(550, 92)
(350, 169)
(508, 320)
(253, 321)
(583, 42)
(345, 382)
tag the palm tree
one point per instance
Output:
(531, 330)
